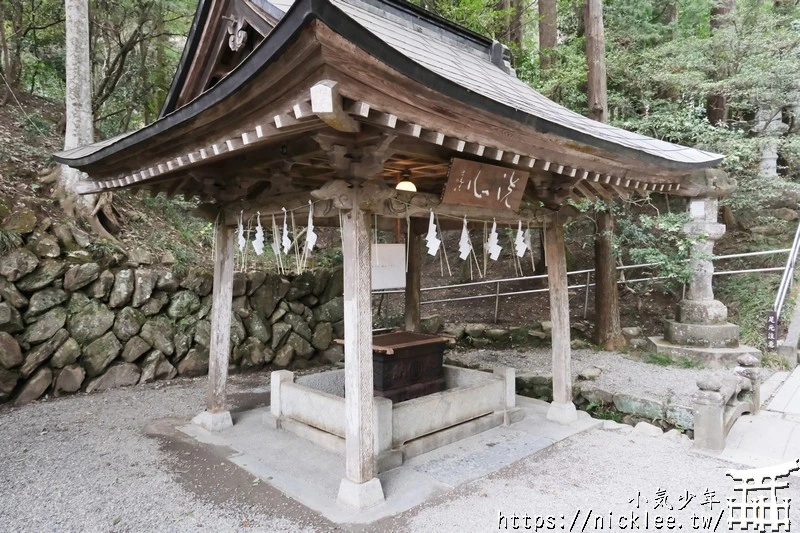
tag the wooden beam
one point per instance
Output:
(559, 312)
(434, 137)
(621, 191)
(220, 320)
(326, 103)
(582, 188)
(599, 190)
(359, 423)
(413, 282)
(475, 149)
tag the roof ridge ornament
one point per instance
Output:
(501, 57)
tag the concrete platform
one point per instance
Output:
(312, 475)
(787, 397)
(710, 357)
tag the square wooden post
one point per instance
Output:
(359, 488)
(216, 417)
(562, 409)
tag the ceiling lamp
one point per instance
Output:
(405, 183)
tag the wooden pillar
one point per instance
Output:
(216, 417)
(360, 488)
(413, 282)
(562, 408)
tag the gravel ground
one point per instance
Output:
(84, 463)
(619, 373)
(599, 471)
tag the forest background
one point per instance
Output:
(723, 76)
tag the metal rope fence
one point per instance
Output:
(587, 284)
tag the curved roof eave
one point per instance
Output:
(288, 29)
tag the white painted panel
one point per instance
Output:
(388, 266)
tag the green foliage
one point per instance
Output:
(657, 239)
(662, 359)
(604, 412)
(773, 360)
(480, 16)
(659, 359)
(9, 240)
(134, 51)
(643, 238)
(749, 298)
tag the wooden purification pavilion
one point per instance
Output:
(336, 101)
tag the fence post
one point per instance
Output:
(496, 302)
(586, 300)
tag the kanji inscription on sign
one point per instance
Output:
(772, 331)
(482, 185)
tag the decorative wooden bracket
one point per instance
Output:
(236, 31)
(356, 161)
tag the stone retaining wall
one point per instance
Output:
(68, 323)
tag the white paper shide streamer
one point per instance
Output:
(311, 236)
(519, 243)
(276, 248)
(258, 241)
(242, 240)
(464, 244)
(492, 244)
(431, 239)
(285, 241)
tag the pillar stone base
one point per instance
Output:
(360, 495)
(563, 413)
(214, 421)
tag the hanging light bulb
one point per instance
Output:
(405, 183)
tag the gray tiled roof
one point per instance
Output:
(475, 71)
(83, 151)
(462, 60)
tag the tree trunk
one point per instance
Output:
(717, 104)
(5, 64)
(79, 122)
(14, 73)
(548, 33)
(670, 14)
(607, 330)
(596, 60)
(517, 30)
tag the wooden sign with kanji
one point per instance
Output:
(482, 185)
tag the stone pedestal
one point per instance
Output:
(214, 422)
(701, 331)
